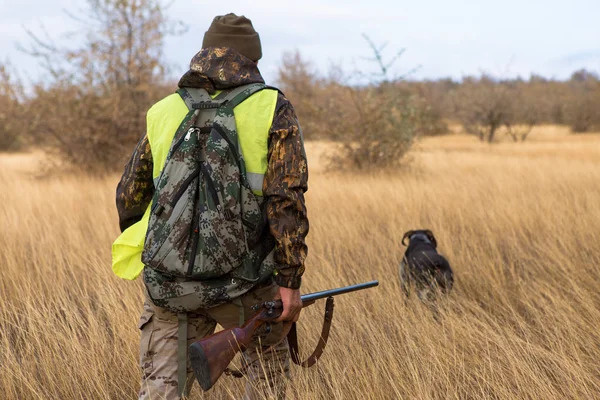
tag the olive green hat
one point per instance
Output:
(236, 33)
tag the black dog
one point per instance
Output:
(424, 267)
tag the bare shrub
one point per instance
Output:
(384, 121)
(374, 124)
(482, 106)
(301, 85)
(377, 130)
(90, 132)
(91, 104)
(523, 112)
(12, 114)
(433, 110)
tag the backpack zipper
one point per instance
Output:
(188, 134)
(210, 186)
(184, 186)
(195, 238)
(235, 154)
(193, 130)
(184, 138)
(213, 193)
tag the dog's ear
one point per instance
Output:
(431, 237)
(407, 235)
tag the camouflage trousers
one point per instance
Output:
(266, 361)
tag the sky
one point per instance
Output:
(441, 38)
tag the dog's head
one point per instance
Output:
(421, 235)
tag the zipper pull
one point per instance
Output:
(188, 135)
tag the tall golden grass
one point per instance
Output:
(520, 224)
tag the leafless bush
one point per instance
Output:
(13, 120)
(375, 124)
(523, 112)
(482, 106)
(306, 92)
(90, 106)
(430, 107)
(379, 129)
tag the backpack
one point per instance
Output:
(207, 240)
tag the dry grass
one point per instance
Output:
(519, 223)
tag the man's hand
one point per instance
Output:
(292, 304)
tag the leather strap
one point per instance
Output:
(293, 339)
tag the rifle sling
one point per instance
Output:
(293, 339)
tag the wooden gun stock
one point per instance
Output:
(211, 356)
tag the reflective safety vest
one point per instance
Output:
(253, 118)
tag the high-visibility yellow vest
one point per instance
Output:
(253, 120)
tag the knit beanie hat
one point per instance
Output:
(236, 33)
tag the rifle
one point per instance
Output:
(211, 355)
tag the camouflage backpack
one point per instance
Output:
(207, 240)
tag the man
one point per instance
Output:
(228, 60)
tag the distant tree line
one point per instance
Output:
(482, 104)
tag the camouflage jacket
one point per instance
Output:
(286, 178)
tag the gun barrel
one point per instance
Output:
(333, 292)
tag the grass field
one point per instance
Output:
(520, 224)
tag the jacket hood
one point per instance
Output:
(219, 68)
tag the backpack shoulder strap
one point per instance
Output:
(197, 99)
(236, 96)
(239, 95)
